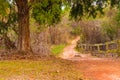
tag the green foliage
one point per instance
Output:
(35, 27)
(112, 51)
(117, 17)
(47, 11)
(4, 7)
(8, 24)
(86, 8)
(57, 49)
(115, 3)
(77, 30)
(109, 30)
(8, 18)
(110, 25)
(4, 4)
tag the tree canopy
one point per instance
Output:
(81, 8)
(49, 12)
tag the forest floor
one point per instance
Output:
(73, 66)
(91, 67)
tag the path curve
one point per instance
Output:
(92, 68)
(69, 51)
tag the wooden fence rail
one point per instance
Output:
(112, 46)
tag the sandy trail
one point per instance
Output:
(92, 68)
(69, 51)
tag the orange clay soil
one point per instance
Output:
(93, 68)
(107, 69)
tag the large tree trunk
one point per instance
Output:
(23, 21)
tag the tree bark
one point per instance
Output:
(23, 21)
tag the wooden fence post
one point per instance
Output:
(98, 48)
(107, 46)
(118, 46)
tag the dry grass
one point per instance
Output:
(52, 69)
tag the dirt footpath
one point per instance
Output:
(69, 51)
(99, 69)
(93, 68)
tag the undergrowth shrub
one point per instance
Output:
(59, 35)
(110, 25)
(90, 31)
(76, 31)
(42, 41)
